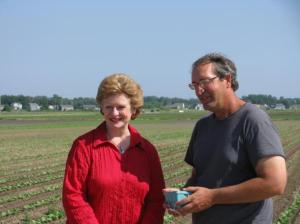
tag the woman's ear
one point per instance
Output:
(133, 113)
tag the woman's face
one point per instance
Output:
(117, 110)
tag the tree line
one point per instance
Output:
(149, 101)
(271, 100)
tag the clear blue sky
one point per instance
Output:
(67, 47)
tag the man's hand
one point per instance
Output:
(200, 199)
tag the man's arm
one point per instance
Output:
(270, 181)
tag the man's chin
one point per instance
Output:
(207, 106)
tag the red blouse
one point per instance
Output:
(104, 187)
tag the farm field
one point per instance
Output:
(34, 147)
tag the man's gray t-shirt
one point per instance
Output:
(225, 152)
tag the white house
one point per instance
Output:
(66, 107)
(177, 106)
(16, 106)
(51, 107)
(295, 107)
(279, 106)
(199, 107)
(34, 107)
(89, 107)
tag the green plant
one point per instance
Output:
(287, 215)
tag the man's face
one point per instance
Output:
(208, 87)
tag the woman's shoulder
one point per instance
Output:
(147, 144)
(85, 136)
(90, 136)
(86, 140)
(139, 140)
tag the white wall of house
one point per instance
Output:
(16, 106)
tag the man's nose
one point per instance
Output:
(199, 90)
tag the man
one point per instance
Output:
(236, 153)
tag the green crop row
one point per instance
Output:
(33, 157)
(29, 183)
(287, 215)
(177, 173)
(32, 169)
(30, 206)
(171, 149)
(32, 175)
(12, 169)
(27, 195)
(51, 215)
(172, 164)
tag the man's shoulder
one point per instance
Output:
(205, 118)
(254, 113)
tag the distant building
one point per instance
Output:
(90, 107)
(54, 107)
(51, 107)
(279, 106)
(199, 107)
(177, 106)
(262, 106)
(34, 107)
(16, 106)
(66, 107)
(295, 107)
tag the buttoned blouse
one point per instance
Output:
(101, 185)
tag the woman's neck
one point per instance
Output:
(120, 137)
(117, 132)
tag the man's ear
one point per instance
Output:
(228, 79)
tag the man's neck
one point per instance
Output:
(232, 105)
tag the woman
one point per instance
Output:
(113, 175)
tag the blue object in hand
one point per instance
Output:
(171, 197)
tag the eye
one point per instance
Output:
(121, 107)
(108, 107)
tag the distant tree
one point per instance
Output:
(80, 101)
(43, 101)
(150, 102)
(260, 99)
(55, 100)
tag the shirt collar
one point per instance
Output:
(100, 135)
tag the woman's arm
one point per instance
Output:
(77, 208)
(154, 210)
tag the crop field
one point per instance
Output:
(34, 148)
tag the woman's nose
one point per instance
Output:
(115, 111)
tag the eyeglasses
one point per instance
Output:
(202, 83)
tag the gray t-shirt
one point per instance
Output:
(225, 152)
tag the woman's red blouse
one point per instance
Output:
(104, 187)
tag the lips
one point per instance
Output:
(205, 99)
(115, 120)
